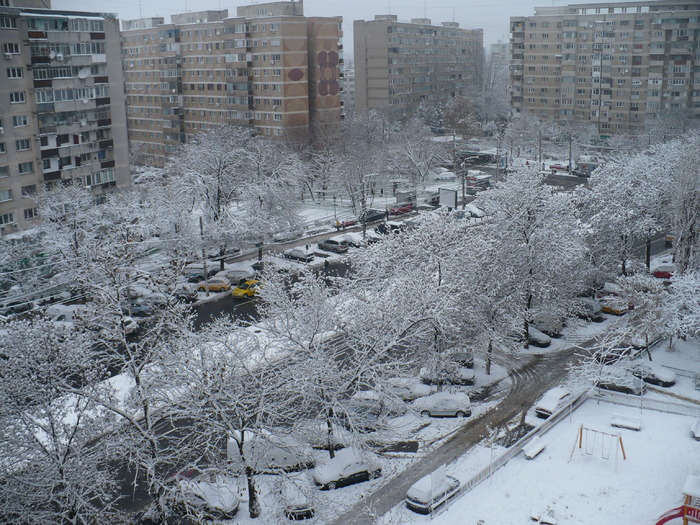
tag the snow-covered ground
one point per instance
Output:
(597, 485)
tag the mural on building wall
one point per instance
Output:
(328, 65)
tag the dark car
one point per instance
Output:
(654, 374)
(628, 384)
(348, 467)
(331, 245)
(138, 310)
(386, 228)
(372, 216)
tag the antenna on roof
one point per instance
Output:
(140, 10)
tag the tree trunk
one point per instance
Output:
(329, 424)
(253, 503)
(489, 353)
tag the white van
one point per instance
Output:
(427, 494)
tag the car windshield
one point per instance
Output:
(245, 286)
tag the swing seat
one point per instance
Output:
(629, 422)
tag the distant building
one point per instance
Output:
(398, 65)
(270, 68)
(610, 64)
(62, 113)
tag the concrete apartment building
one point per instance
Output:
(270, 68)
(398, 65)
(610, 64)
(62, 113)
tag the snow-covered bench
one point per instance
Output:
(630, 422)
(534, 447)
(695, 431)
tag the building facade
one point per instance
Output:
(609, 64)
(398, 65)
(270, 68)
(62, 112)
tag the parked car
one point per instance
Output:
(537, 338)
(451, 374)
(185, 292)
(474, 212)
(344, 223)
(295, 500)
(270, 453)
(444, 404)
(215, 284)
(333, 245)
(446, 175)
(349, 466)
(558, 167)
(654, 374)
(195, 273)
(299, 254)
(427, 494)
(465, 359)
(614, 305)
(589, 309)
(626, 384)
(388, 227)
(551, 325)
(610, 356)
(138, 309)
(552, 401)
(400, 209)
(237, 275)
(372, 216)
(664, 271)
(408, 388)
(249, 288)
(286, 236)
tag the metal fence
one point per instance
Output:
(609, 397)
(513, 451)
(682, 372)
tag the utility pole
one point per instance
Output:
(204, 258)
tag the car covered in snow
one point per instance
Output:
(444, 404)
(552, 401)
(296, 501)
(429, 492)
(654, 373)
(445, 176)
(299, 254)
(349, 466)
(626, 384)
(334, 245)
(450, 373)
(407, 388)
(538, 338)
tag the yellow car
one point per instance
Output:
(247, 289)
(216, 284)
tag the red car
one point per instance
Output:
(559, 167)
(400, 209)
(344, 224)
(665, 271)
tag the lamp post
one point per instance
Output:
(335, 214)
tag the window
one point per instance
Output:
(11, 47)
(19, 120)
(26, 167)
(15, 72)
(4, 171)
(30, 213)
(28, 191)
(5, 195)
(2, 147)
(7, 218)
(23, 144)
(8, 23)
(17, 97)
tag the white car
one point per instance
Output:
(444, 404)
(446, 176)
(298, 254)
(237, 275)
(654, 374)
(349, 466)
(451, 374)
(552, 401)
(427, 494)
(408, 388)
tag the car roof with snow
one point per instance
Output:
(551, 398)
(422, 490)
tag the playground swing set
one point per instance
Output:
(594, 442)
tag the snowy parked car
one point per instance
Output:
(427, 494)
(349, 466)
(446, 176)
(552, 401)
(270, 453)
(451, 374)
(333, 245)
(237, 275)
(298, 254)
(654, 374)
(444, 404)
(589, 309)
(407, 388)
(295, 499)
(627, 384)
(537, 338)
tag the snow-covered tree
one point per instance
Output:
(415, 153)
(51, 467)
(539, 243)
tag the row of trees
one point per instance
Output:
(175, 393)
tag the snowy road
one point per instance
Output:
(531, 377)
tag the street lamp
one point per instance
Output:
(335, 215)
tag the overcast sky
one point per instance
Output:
(491, 16)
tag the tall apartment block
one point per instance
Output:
(62, 112)
(610, 64)
(270, 68)
(398, 65)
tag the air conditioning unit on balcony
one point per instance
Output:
(2, 130)
(59, 56)
(8, 56)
